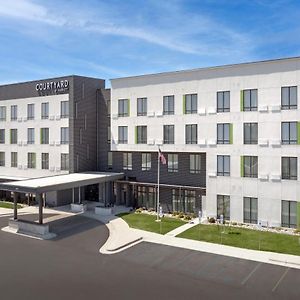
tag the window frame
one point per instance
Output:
(64, 109)
(45, 162)
(143, 105)
(64, 135)
(251, 107)
(253, 167)
(31, 160)
(222, 108)
(251, 141)
(195, 163)
(173, 164)
(168, 137)
(169, 103)
(289, 174)
(14, 159)
(289, 224)
(223, 141)
(14, 112)
(191, 134)
(122, 134)
(146, 161)
(45, 110)
(221, 168)
(223, 206)
(127, 161)
(64, 162)
(141, 134)
(30, 111)
(289, 105)
(253, 214)
(193, 99)
(289, 141)
(32, 140)
(122, 107)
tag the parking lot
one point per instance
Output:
(71, 267)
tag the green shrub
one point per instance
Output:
(138, 210)
(187, 218)
(212, 220)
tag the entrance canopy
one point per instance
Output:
(59, 182)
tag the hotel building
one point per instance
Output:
(230, 135)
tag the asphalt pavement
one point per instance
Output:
(71, 267)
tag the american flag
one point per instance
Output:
(161, 157)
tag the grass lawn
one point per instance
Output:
(245, 238)
(147, 222)
(4, 204)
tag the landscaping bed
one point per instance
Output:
(245, 238)
(145, 221)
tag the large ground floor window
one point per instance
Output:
(223, 206)
(250, 210)
(183, 200)
(289, 214)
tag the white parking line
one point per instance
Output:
(251, 273)
(280, 279)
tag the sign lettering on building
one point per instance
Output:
(55, 87)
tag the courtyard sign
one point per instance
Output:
(53, 86)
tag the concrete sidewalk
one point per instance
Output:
(123, 237)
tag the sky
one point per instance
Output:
(117, 38)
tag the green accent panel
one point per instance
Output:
(183, 104)
(135, 135)
(231, 133)
(242, 101)
(242, 166)
(298, 215)
(128, 107)
(298, 133)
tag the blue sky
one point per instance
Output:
(116, 38)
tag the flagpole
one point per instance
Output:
(158, 171)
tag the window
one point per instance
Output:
(30, 135)
(250, 166)
(191, 134)
(172, 163)
(108, 134)
(2, 159)
(14, 159)
(250, 133)
(223, 168)
(151, 197)
(14, 136)
(13, 112)
(64, 161)
(250, 210)
(2, 113)
(189, 201)
(168, 134)
(2, 136)
(64, 135)
(146, 161)
(168, 103)
(141, 106)
(123, 107)
(177, 201)
(123, 135)
(45, 110)
(31, 160)
(289, 168)
(250, 100)
(223, 206)
(45, 136)
(30, 111)
(289, 97)
(223, 133)
(288, 133)
(195, 163)
(190, 104)
(45, 161)
(64, 109)
(223, 101)
(289, 214)
(142, 196)
(141, 132)
(127, 161)
(109, 160)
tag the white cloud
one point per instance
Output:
(173, 28)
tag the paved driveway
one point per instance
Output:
(70, 267)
